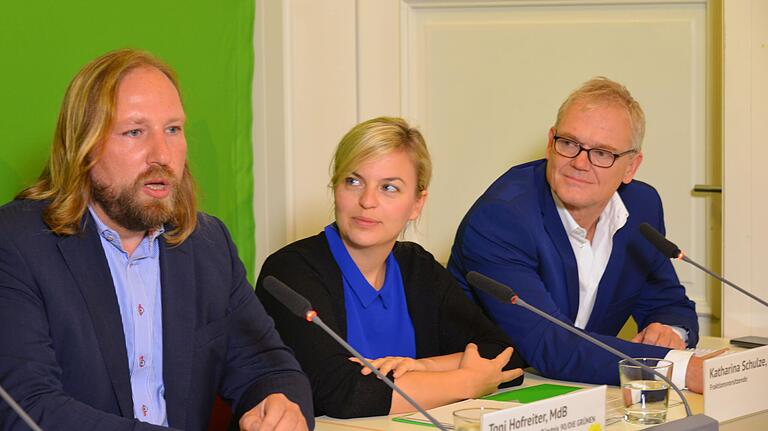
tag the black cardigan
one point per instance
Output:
(444, 321)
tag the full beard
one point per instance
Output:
(125, 208)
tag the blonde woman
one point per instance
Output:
(391, 300)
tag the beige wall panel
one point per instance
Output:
(484, 83)
(305, 98)
(483, 79)
(322, 99)
(745, 231)
(378, 58)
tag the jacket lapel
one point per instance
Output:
(177, 280)
(556, 232)
(87, 262)
(334, 287)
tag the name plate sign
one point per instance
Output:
(575, 411)
(736, 384)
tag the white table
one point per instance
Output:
(757, 421)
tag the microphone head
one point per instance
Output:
(665, 246)
(288, 297)
(500, 291)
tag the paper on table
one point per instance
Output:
(444, 414)
(708, 353)
(533, 393)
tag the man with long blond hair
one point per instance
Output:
(121, 306)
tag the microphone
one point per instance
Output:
(504, 293)
(301, 307)
(665, 246)
(670, 250)
(19, 411)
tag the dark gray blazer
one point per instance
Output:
(62, 349)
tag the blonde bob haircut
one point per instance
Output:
(84, 121)
(375, 138)
(601, 91)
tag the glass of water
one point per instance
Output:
(645, 395)
(469, 419)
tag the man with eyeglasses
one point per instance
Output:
(563, 232)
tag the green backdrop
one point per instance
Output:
(209, 43)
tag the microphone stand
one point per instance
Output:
(672, 251)
(314, 318)
(504, 293)
(517, 301)
(300, 306)
(19, 411)
(685, 258)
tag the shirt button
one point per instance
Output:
(141, 361)
(140, 309)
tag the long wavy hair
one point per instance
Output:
(84, 122)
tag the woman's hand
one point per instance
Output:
(398, 364)
(485, 375)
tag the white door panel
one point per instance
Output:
(745, 232)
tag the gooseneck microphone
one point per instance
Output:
(504, 293)
(301, 307)
(672, 251)
(19, 411)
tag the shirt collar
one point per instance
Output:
(614, 216)
(352, 274)
(114, 238)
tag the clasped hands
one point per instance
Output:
(483, 376)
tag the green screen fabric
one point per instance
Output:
(43, 45)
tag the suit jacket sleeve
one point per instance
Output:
(29, 370)
(258, 363)
(664, 299)
(494, 240)
(338, 388)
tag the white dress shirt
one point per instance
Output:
(591, 261)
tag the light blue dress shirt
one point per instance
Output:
(378, 322)
(137, 285)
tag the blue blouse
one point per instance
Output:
(378, 323)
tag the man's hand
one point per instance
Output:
(659, 335)
(694, 375)
(274, 413)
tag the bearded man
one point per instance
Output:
(121, 306)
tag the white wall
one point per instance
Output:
(745, 230)
(483, 80)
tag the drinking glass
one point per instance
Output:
(469, 419)
(645, 395)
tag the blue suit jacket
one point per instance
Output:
(514, 234)
(62, 349)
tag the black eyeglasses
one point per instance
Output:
(597, 156)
